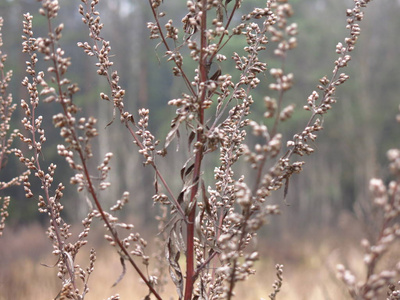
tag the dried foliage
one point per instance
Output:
(393, 294)
(6, 137)
(211, 222)
(386, 197)
(278, 283)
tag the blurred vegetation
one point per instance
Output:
(351, 150)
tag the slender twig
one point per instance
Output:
(164, 41)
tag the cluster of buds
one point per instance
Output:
(172, 31)
(270, 148)
(259, 13)
(243, 194)
(283, 82)
(121, 203)
(92, 18)
(148, 144)
(278, 283)
(282, 33)
(154, 32)
(3, 212)
(300, 145)
(394, 159)
(393, 294)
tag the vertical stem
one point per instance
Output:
(203, 70)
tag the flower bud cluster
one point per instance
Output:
(148, 144)
(282, 33)
(243, 194)
(278, 283)
(283, 82)
(270, 106)
(393, 294)
(172, 31)
(3, 212)
(394, 160)
(153, 30)
(49, 8)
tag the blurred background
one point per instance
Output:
(329, 207)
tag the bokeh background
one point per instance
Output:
(329, 207)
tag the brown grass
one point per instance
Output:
(309, 267)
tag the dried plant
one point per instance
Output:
(278, 283)
(393, 294)
(6, 138)
(212, 222)
(387, 199)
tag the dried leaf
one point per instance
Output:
(205, 198)
(89, 203)
(182, 172)
(48, 266)
(155, 182)
(180, 197)
(216, 75)
(178, 136)
(192, 135)
(184, 169)
(113, 118)
(285, 191)
(122, 261)
(180, 242)
(170, 136)
(184, 195)
(220, 14)
(172, 254)
(189, 170)
(173, 132)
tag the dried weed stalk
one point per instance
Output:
(386, 197)
(49, 201)
(212, 222)
(77, 133)
(7, 108)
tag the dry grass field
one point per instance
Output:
(309, 266)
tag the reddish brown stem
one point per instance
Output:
(190, 271)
